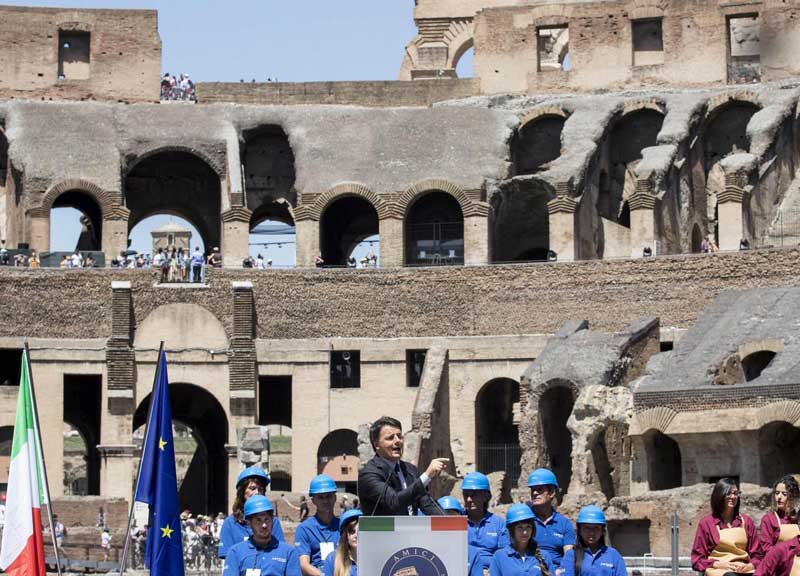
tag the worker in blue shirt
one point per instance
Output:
(522, 557)
(251, 482)
(591, 556)
(486, 533)
(554, 532)
(317, 536)
(261, 554)
(345, 559)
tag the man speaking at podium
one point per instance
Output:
(387, 486)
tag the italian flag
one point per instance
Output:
(22, 552)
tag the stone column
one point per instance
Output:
(115, 233)
(392, 242)
(235, 236)
(731, 217)
(39, 230)
(116, 448)
(642, 205)
(242, 365)
(476, 236)
(563, 237)
(308, 244)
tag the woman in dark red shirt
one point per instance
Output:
(726, 541)
(780, 525)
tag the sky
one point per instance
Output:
(290, 40)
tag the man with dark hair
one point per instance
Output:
(387, 486)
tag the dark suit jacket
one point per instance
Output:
(392, 500)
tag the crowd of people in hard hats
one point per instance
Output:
(533, 539)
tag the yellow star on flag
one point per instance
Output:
(166, 532)
(161, 444)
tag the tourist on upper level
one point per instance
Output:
(486, 533)
(590, 556)
(780, 524)
(197, 265)
(33, 261)
(251, 481)
(726, 541)
(215, 258)
(523, 556)
(554, 532)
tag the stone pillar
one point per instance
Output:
(563, 237)
(242, 366)
(235, 236)
(476, 238)
(115, 233)
(39, 230)
(116, 448)
(234, 467)
(731, 218)
(308, 244)
(642, 205)
(392, 242)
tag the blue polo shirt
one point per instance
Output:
(316, 540)
(232, 533)
(508, 562)
(484, 539)
(605, 562)
(277, 559)
(553, 534)
(330, 563)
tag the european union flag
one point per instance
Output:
(158, 484)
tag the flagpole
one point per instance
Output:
(40, 455)
(126, 548)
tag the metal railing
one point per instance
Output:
(784, 231)
(497, 457)
(436, 244)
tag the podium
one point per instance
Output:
(412, 545)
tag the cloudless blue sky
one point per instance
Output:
(292, 40)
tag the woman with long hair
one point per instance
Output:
(523, 556)
(780, 525)
(235, 529)
(345, 561)
(726, 541)
(591, 556)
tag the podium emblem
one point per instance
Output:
(414, 561)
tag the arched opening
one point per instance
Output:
(434, 230)
(537, 143)
(611, 457)
(726, 131)
(697, 239)
(6, 440)
(173, 235)
(82, 412)
(180, 184)
(273, 238)
(754, 364)
(464, 60)
(345, 224)
(664, 470)
(201, 432)
(496, 433)
(337, 456)
(555, 407)
(76, 223)
(633, 133)
(778, 451)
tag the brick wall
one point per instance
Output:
(487, 300)
(388, 93)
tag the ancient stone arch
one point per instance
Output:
(327, 198)
(106, 200)
(542, 112)
(181, 326)
(785, 411)
(459, 38)
(411, 194)
(719, 101)
(137, 159)
(658, 418)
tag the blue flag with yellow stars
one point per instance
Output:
(158, 484)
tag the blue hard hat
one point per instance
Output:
(353, 514)
(321, 484)
(542, 477)
(256, 504)
(591, 515)
(475, 481)
(450, 503)
(518, 513)
(252, 472)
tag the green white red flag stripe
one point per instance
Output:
(22, 551)
(415, 523)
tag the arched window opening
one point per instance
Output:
(273, 241)
(726, 131)
(268, 164)
(76, 223)
(180, 184)
(465, 62)
(434, 231)
(537, 144)
(170, 236)
(754, 364)
(778, 450)
(337, 456)
(663, 461)
(555, 407)
(496, 431)
(200, 430)
(346, 223)
(611, 457)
